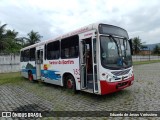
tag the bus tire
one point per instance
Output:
(30, 76)
(70, 83)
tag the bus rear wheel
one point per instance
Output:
(30, 76)
(70, 83)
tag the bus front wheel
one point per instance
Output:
(70, 83)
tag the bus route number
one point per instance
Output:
(76, 71)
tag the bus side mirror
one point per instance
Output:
(131, 46)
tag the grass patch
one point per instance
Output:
(10, 78)
(145, 62)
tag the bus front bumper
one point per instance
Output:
(110, 87)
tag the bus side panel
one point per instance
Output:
(53, 71)
(28, 66)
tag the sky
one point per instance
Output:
(51, 18)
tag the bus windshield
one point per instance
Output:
(115, 52)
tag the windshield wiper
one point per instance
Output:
(116, 43)
(121, 59)
(125, 46)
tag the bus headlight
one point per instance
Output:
(130, 74)
(109, 78)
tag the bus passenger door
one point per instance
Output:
(39, 62)
(83, 70)
(94, 65)
(88, 62)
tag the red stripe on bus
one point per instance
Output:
(110, 87)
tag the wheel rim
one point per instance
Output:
(30, 77)
(69, 83)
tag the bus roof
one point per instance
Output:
(77, 31)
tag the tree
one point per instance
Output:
(21, 41)
(8, 40)
(2, 37)
(33, 37)
(156, 50)
(13, 41)
(137, 44)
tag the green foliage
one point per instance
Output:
(145, 62)
(156, 50)
(137, 44)
(3, 37)
(11, 43)
(13, 78)
(33, 37)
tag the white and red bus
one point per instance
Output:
(96, 59)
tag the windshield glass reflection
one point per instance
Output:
(115, 52)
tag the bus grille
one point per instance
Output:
(118, 73)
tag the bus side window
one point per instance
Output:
(53, 50)
(32, 54)
(45, 53)
(69, 47)
(41, 56)
(66, 53)
(26, 55)
(22, 56)
(38, 55)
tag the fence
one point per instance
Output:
(9, 63)
(145, 58)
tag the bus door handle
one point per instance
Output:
(83, 65)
